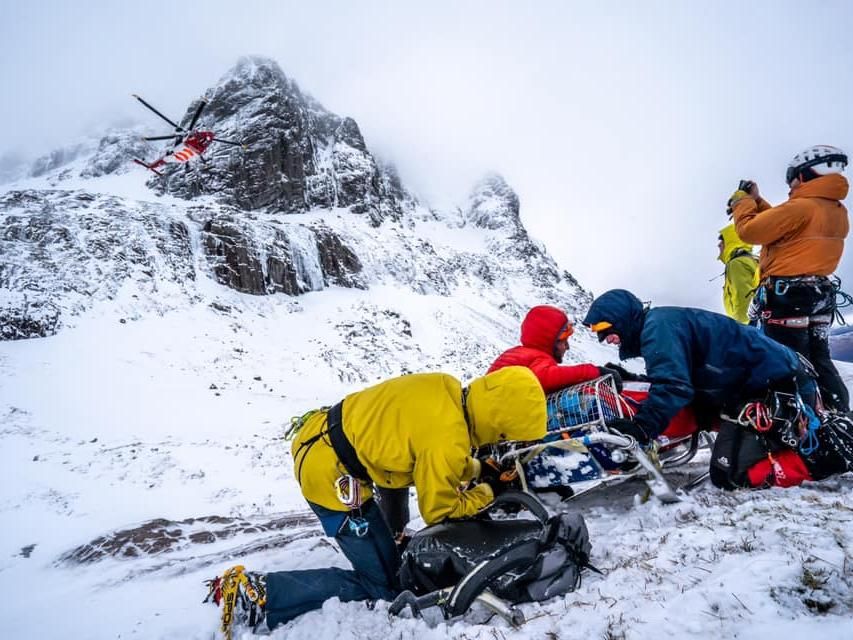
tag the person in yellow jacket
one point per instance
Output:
(740, 279)
(417, 430)
(802, 242)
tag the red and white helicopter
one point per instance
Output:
(187, 143)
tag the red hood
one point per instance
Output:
(541, 326)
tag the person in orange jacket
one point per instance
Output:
(545, 333)
(802, 242)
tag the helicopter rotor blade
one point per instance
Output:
(177, 127)
(231, 142)
(169, 137)
(197, 114)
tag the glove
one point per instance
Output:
(610, 371)
(628, 376)
(492, 474)
(737, 196)
(746, 185)
(630, 428)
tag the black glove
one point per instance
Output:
(617, 377)
(627, 376)
(745, 185)
(497, 477)
(631, 428)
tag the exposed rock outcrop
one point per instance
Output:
(262, 258)
(297, 155)
(494, 205)
(304, 207)
(64, 250)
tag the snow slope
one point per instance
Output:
(142, 445)
(112, 424)
(116, 422)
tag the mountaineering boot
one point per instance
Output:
(242, 595)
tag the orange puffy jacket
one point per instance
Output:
(539, 332)
(801, 237)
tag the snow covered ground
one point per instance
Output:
(115, 423)
(142, 453)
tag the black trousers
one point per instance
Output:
(801, 313)
(394, 505)
(813, 343)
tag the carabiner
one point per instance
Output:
(359, 526)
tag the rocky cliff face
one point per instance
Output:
(297, 155)
(292, 258)
(494, 205)
(303, 208)
(65, 250)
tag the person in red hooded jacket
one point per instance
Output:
(545, 333)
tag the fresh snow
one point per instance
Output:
(173, 404)
(110, 424)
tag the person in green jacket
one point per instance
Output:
(741, 275)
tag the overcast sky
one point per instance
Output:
(623, 126)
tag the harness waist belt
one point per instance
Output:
(795, 279)
(342, 446)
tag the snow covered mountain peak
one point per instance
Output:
(297, 156)
(250, 69)
(304, 208)
(494, 205)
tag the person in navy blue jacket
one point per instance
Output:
(694, 357)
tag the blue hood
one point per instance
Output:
(625, 312)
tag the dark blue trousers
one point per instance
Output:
(374, 560)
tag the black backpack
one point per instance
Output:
(518, 560)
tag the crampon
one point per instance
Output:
(242, 596)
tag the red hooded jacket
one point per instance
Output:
(539, 332)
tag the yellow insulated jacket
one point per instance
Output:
(413, 430)
(741, 276)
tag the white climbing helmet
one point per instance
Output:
(821, 158)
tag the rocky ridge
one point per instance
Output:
(304, 207)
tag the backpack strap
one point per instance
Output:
(521, 498)
(480, 577)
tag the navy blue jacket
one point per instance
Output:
(691, 354)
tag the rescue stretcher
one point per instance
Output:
(580, 453)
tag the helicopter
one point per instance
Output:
(187, 143)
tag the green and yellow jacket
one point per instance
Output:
(741, 276)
